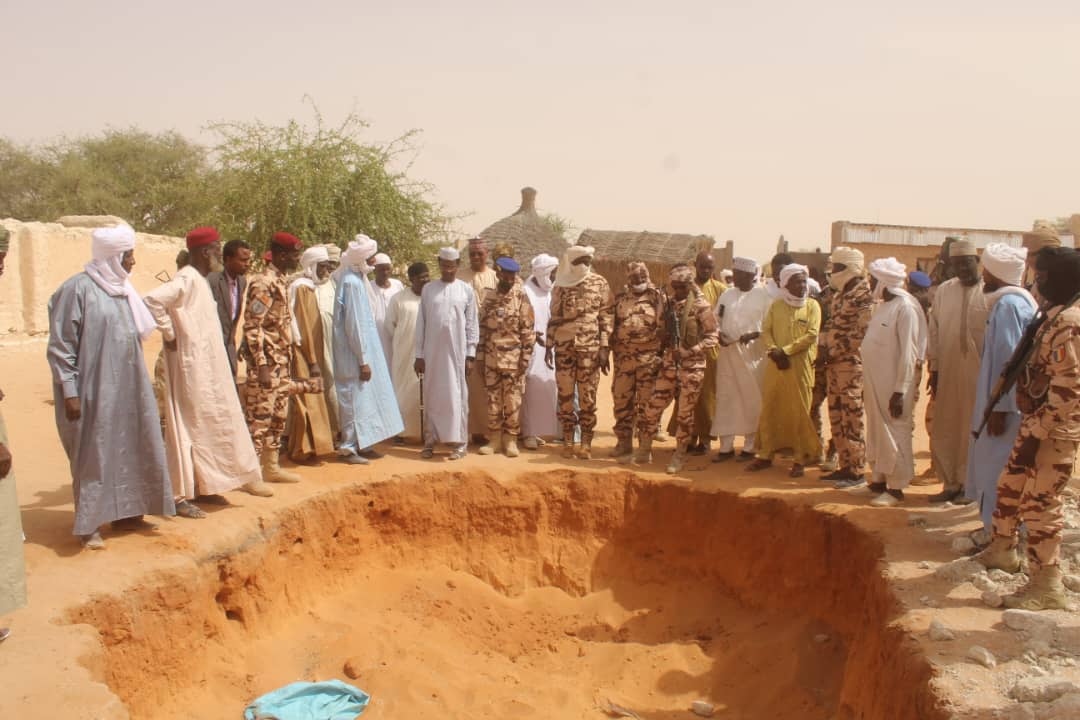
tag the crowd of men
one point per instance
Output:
(339, 357)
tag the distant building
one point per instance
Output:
(916, 246)
(526, 231)
(659, 252)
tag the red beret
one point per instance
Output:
(201, 236)
(284, 239)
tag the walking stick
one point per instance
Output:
(423, 438)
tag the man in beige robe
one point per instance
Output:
(308, 428)
(482, 280)
(957, 326)
(207, 443)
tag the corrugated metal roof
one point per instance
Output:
(862, 234)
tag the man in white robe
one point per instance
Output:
(957, 324)
(401, 320)
(106, 414)
(540, 406)
(383, 289)
(740, 364)
(206, 437)
(447, 332)
(892, 348)
(325, 295)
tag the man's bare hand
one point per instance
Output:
(170, 345)
(418, 366)
(549, 357)
(996, 425)
(604, 360)
(72, 408)
(5, 461)
(264, 377)
(365, 373)
(896, 405)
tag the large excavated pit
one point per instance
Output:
(457, 596)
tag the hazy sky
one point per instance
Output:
(742, 120)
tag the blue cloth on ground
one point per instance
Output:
(330, 700)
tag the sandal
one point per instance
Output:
(427, 453)
(758, 465)
(93, 541)
(192, 512)
(797, 471)
(456, 455)
(4, 634)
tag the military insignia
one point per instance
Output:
(1057, 355)
(258, 307)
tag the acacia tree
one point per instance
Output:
(323, 185)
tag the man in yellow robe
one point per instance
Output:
(790, 334)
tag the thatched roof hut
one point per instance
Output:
(659, 252)
(527, 232)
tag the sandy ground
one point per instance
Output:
(54, 665)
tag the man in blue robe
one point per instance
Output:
(369, 408)
(1012, 307)
(106, 413)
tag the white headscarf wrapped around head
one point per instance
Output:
(107, 248)
(542, 265)
(786, 274)
(890, 274)
(355, 257)
(854, 265)
(570, 274)
(1005, 263)
(309, 265)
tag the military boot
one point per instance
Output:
(644, 453)
(585, 451)
(493, 445)
(258, 488)
(1000, 554)
(623, 448)
(511, 445)
(271, 470)
(1043, 592)
(678, 459)
(568, 445)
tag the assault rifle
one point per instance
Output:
(1017, 362)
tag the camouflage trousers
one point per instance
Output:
(817, 399)
(505, 389)
(689, 381)
(266, 409)
(1034, 498)
(634, 376)
(845, 382)
(580, 369)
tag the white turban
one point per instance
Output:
(542, 265)
(745, 264)
(890, 273)
(107, 248)
(364, 245)
(570, 274)
(449, 253)
(382, 259)
(309, 264)
(356, 255)
(311, 258)
(786, 274)
(1005, 263)
(854, 265)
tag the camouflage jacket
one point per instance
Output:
(507, 334)
(581, 315)
(637, 321)
(697, 329)
(1049, 389)
(267, 319)
(849, 317)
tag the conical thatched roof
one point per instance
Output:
(645, 246)
(527, 232)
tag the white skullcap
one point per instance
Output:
(382, 259)
(1005, 263)
(111, 241)
(313, 256)
(745, 264)
(890, 272)
(963, 248)
(449, 253)
(848, 256)
(333, 251)
(544, 263)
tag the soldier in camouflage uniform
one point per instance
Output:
(577, 343)
(638, 316)
(852, 304)
(268, 354)
(690, 331)
(507, 338)
(1043, 458)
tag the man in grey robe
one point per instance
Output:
(105, 410)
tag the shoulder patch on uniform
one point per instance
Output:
(258, 307)
(1057, 355)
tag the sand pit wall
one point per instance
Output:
(577, 532)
